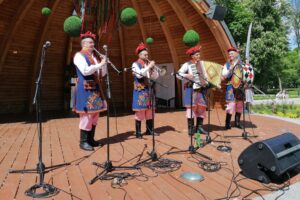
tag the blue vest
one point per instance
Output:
(141, 95)
(88, 98)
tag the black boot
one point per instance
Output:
(191, 126)
(84, 141)
(238, 121)
(138, 132)
(227, 122)
(199, 126)
(150, 127)
(91, 139)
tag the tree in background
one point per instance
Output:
(295, 21)
(291, 65)
(269, 42)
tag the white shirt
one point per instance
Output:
(86, 70)
(186, 69)
(225, 71)
(143, 72)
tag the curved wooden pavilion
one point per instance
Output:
(23, 31)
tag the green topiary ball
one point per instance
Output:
(149, 40)
(162, 18)
(46, 11)
(72, 26)
(128, 16)
(191, 38)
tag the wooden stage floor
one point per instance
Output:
(19, 150)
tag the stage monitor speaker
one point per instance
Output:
(270, 160)
(216, 12)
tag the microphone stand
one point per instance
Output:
(108, 166)
(245, 135)
(191, 149)
(208, 138)
(152, 154)
(49, 190)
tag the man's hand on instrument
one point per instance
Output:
(151, 64)
(103, 61)
(189, 76)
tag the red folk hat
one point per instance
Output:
(193, 50)
(232, 49)
(141, 47)
(87, 34)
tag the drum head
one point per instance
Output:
(236, 78)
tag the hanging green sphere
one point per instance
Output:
(46, 11)
(128, 16)
(149, 40)
(72, 26)
(191, 38)
(162, 18)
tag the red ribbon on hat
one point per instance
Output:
(88, 34)
(232, 49)
(140, 47)
(193, 50)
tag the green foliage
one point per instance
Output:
(285, 110)
(191, 38)
(128, 16)
(291, 66)
(149, 40)
(72, 26)
(46, 11)
(294, 21)
(269, 35)
(162, 18)
(238, 18)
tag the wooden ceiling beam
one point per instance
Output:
(37, 52)
(170, 42)
(123, 62)
(180, 14)
(140, 21)
(14, 25)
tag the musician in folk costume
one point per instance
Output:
(143, 72)
(89, 101)
(191, 70)
(234, 97)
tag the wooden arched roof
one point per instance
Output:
(23, 30)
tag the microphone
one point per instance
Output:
(174, 73)
(47, 44)
(105, 47)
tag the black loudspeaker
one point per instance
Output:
(216, 12)
(269, 160)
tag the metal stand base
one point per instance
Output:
(40, 169)
(107, 167)
(191, 150)
(153, 157)
(245, 135)
(49, 191)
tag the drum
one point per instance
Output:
(248, 74)
(236, 78)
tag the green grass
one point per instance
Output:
(270, 94)
(263, 97)
(285, 110)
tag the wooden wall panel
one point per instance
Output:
(18, 71)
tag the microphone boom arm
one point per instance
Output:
(108, 61)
